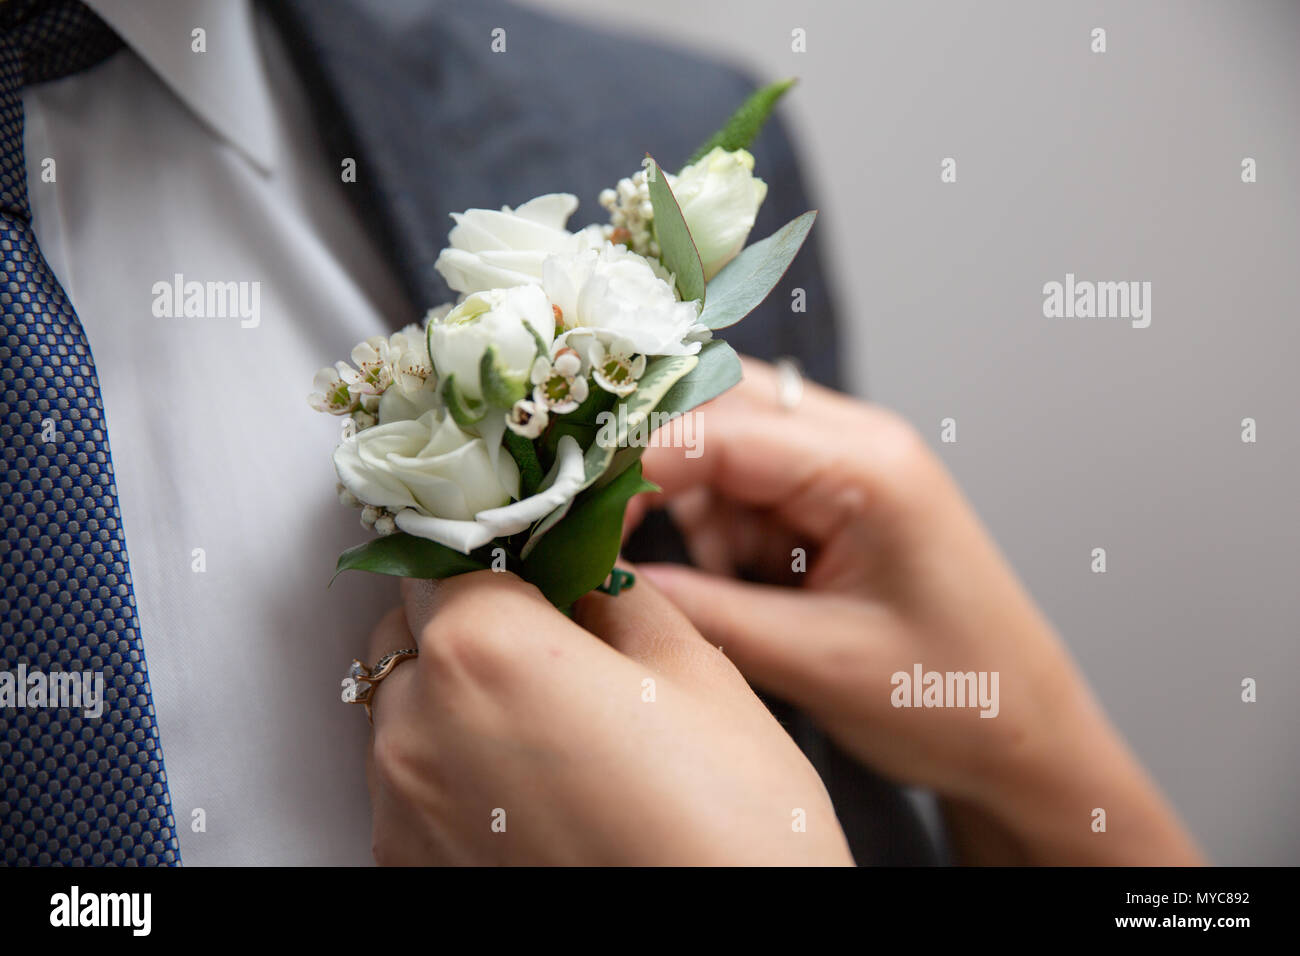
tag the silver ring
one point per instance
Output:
(789, 384)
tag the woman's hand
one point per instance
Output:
(897, 572)
(518, 736)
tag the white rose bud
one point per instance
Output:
(719, 198)
(499, 318)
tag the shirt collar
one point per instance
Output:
(225, 86)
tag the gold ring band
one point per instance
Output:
(360, 683)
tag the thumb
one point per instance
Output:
(773, 634)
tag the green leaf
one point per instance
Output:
(660, 376)
(499, 389)
(543, 526)
(598, 400)
(578, 553)
(718, 370)
(463, 411)
(600, 461)
(530, 466)
(406, 556)
(672, 395)
(676, 247)
(624, 459)
(580, 423)
(743, 126)
(748, 279)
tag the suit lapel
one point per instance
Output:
(438, 122)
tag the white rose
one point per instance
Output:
(719, 197)
(441, 482)
(492, 249)
(499, 318)
(427, 464)
(613, 291)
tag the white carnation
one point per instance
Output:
(612, 292)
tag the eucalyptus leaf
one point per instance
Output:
(676, 247)
(578, 554)
(406, 556)
(743, 126)
(660, 375)
(749, 278)
(718, 370)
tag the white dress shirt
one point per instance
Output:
(206, 164)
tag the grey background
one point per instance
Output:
(1075, 434)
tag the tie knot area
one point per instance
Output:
(54, 38)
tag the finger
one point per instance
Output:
(641, 623)
(761, 460)
(495, 600)
(490, 628)
(778, 637)
(729, 539)
(702, 520)
(391, 634)
(634, 515)
(392, 703)
(761, 386)
(758, 397)
(818, 475)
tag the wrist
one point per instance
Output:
(1074, 794)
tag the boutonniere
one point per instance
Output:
(505, 431)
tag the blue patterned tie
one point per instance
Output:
(74, 788)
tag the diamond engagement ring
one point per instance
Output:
(360, 683)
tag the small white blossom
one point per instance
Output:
(373, 372)
(615, 367)
(332, 394)
(527, 418)
(558, 382)
(408, 356)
